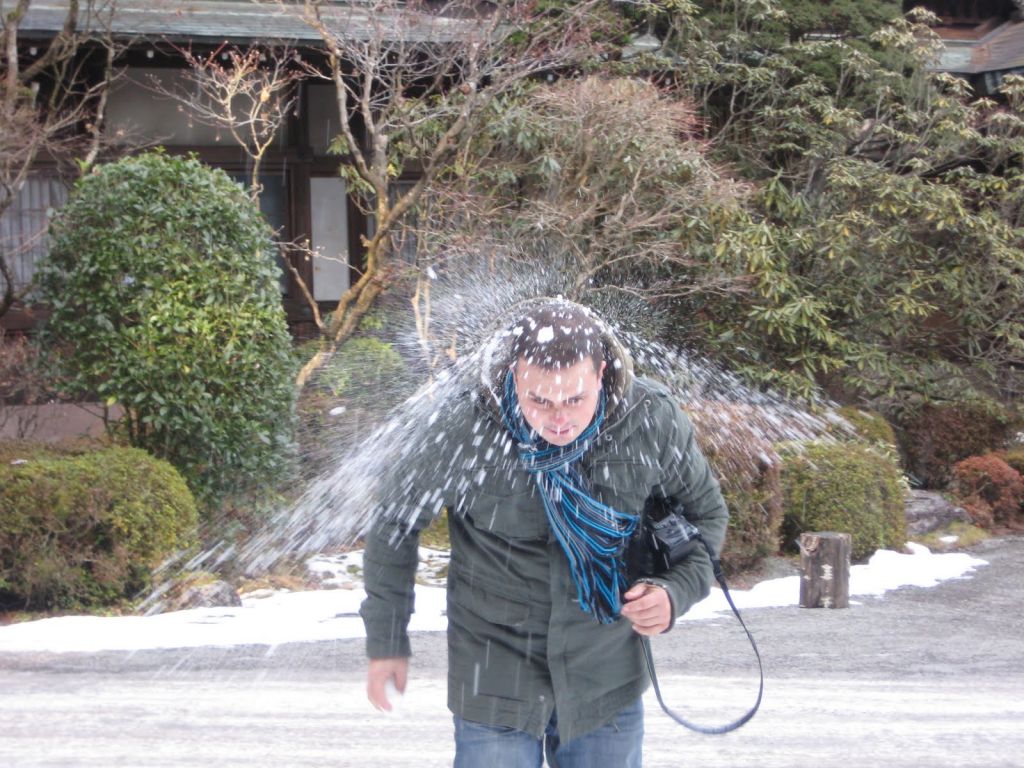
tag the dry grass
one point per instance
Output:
(967, 536)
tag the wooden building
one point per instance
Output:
(984, 39)
(303, 196)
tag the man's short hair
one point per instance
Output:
(557, 335)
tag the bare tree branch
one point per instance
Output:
(45, 104)
(415, 79)
(250, 96)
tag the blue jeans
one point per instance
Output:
(617, 744)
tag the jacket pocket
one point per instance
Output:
(489, 605)
(495, 641)
(504, 501)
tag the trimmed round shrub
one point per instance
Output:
(19, 451)
(748, 470)
(165, 299)
(844, 487)
(871, 427)
(755, 516)
(87, 530)
(990, 490)
(935, 437)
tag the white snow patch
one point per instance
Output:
(886, 570)
(545, 334)
(271, 618)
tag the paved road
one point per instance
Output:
(923, 677)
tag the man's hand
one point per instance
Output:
(382, 670)
(648, 607)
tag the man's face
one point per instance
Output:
(558, 404)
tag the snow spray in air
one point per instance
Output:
(448, 344)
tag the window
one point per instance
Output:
(404, 235)
(140, 109)
(24, 226)
(274, 207)
(329, 218)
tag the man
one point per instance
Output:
(544, 472)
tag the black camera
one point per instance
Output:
(663, 538)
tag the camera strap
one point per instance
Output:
(648, 657)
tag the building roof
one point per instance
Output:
(1003, 49)
(236, 21)
(1000, 50)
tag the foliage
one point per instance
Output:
(165, 300)
(884, 240)
(990, 490)
(364, 372)
(21, 380)
(843, 487)
(811, 208)
(1014, 457)
(768, 27)
(87, 530)
(31, 450)
(412, 100)
(789, 21)
(605, 172)
(357, 386)
(934, 437)
(755, 516)
(871, 427)
(748, 469)
(24, 380)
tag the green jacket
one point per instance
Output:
(519, 644)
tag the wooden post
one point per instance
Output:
(825, 562)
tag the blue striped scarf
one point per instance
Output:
(592, 535)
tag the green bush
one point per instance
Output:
(871, 427)
(845, 487)
(875, 256)
(935, 437)
(357, 387)
(86, 530)
(365, 372)
(748, 471)
(755, 517)
(164, 294)
(31, 450)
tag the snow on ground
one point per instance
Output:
(272, 618)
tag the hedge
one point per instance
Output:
(935, 437)
(845, 487)
(871, 427)
(87, 530)
(165, 299)
(747, 468)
